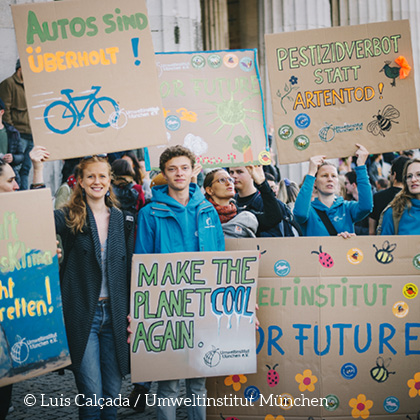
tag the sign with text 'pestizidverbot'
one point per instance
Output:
(32, 334)
(193, 314)
(90, 76)
(213, 105)
(340, 331)
(334, 87)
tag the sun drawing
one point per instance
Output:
(231, 112)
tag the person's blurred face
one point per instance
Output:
(274, 186)
(178, 173)
(222, 186)
(327, 180)
(413, 178)
(350, 188)
(8, 180)
(241, 177)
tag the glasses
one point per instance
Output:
(101, 155)
(224, 180)
(410, 177)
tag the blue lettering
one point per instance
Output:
(316, 339)
(368, 338)
(301, 337)
(409, 338)
(385, 340)
(341, 328)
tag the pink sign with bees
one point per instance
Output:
(334, 87)
(339, 334)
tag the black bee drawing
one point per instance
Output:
(383, 121)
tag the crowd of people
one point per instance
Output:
(109, 207)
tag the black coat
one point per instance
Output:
(81, 276)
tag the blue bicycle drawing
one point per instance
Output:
(61, 116)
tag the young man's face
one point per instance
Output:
(350, 188)
(178, 173)
(241, 176)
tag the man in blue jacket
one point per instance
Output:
(179, 219)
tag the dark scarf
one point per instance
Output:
(225, 212)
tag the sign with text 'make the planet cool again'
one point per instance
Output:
(193, 314)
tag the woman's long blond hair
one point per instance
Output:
(76, 208)
(403, 199)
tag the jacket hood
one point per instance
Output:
(320, 206)
(160, 195)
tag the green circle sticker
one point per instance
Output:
(301, 142)
(214, 61)
(198, 61)
(285, 132)
(416, 261)
(332, 402)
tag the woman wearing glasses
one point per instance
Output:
(219, 190)
(402, 216)
(95, 278)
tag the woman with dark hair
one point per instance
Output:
(402, 216)
(129, 194)
(220, 191)
(329, 214)
(95, 278)
(130, 157)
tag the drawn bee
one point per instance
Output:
(383, 122)
(384, 255)
(380, 372)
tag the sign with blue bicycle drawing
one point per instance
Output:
(33, 338)
(90, 76)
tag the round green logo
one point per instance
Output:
(214, 61)
(416, 261)
(198, 61)
(285, 132)
(301, 142)
(332, 402)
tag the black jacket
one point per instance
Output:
(81, 276)
(14, 145)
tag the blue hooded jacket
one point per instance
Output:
(166, 226)
(343, 214)
(409, 223)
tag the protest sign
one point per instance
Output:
(32, 335)
(340, 331)
(334, 87)
(90, 76)
(193, 314)
(213, 105)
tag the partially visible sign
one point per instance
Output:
(213, 105)
(32, 334)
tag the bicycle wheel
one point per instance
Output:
(60, 117)
(100, 111)
(118, 119)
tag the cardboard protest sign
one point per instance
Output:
(32, 335)
(334, 87)
(213, 105)
(193, 314)
(340, 331)
(90, 76)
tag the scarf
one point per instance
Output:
(225, 212)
